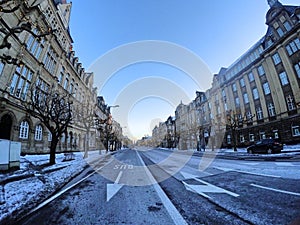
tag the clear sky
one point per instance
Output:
(216, 31)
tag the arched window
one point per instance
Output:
(38, 136)
(24, 130)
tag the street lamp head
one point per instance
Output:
(113, 106)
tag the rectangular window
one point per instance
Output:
(234, 87)
(266, 88)
(1, 67)
(293, 46)
(255, 94)
(283, 78)
(49, 136)
(249, 116)
(271, 109)
(50, 60)
(61, 75)
(262, 135)
(275, 134)
(276, 59)
(250, 77)
(38, 136)
(269, 43)
(35, 45)
(13, 83)
(290, 103)
(259, 113)
(228, 139)
(261, 70)
(296, 131)
(237, 101)
(242, 139)
(246, 99)
(20, 82)
(297, 68)
(280, 32)
(251, 138)
(287, 25)
(242, 82)
(66, 84)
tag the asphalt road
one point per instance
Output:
(163, 187)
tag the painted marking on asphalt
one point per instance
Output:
(284, 164)
(251, 173)
(173, 212)
(259, 174)
(276, 190)
(224, 169)
(251, 163)
(206, 187)
(64, 190)
(112, 189)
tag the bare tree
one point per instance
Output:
(84, 114)
(53, 108)
(235, 120)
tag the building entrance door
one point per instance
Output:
(5, 127)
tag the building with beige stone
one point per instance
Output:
(261, 90)
(48, 60)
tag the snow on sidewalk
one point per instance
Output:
(20, 196)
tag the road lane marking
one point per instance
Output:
(52, 198)
(276, 190)
(112, 189)
(251, 163)
(173, 212)
(192, 176)
(258, 174)
(284, 164)
(207, 188)
(251, 173)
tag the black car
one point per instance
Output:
(268, 146)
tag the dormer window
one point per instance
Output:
(280, 32)
(287, 25)
(269, 43)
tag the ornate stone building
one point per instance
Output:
(48, 60)
(262, 87)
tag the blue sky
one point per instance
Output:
(216, 31)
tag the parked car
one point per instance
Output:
(268, 146)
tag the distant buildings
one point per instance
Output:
(260, 92)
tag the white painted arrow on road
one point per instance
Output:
(206, 187)
(112, 189)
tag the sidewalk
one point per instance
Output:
(23, 189)
(289, 152)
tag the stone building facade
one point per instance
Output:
(48, 60)
(261, 90)
(262, 86)
(164, 135)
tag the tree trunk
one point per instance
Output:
(86, 148)
(53, 150)
(234, 140)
